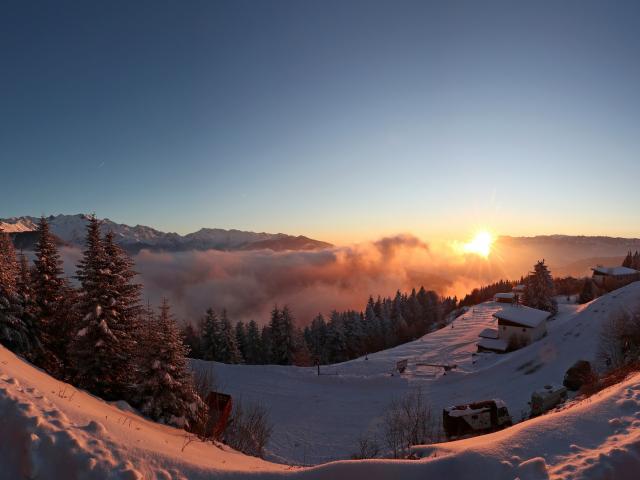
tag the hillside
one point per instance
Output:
(71, 229)
(319, 419)
(50, 430)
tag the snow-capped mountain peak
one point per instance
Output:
(71, 229)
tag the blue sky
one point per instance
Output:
(344, 120)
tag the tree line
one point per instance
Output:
(383, 323)
(632, 260)
(96, 336)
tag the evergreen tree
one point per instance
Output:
(539, 290)
(241, 339)
(354, 332)
(317, 339)
(336, 339)
(17, 327)
(166, 392)
(588, 291)
(105, 345)
(9, 263)
(283, 343)
(628, 260)
(228, 348)
(192, 341)
(253, 350)
(53, 303)
(265, 340)
(210, 336)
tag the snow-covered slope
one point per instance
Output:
(49, 430)
(598, 438)
(72, 229)
(320, 418)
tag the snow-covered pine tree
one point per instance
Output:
(28, 310)
(17, 329)
(253, 348)
(336, 339)
(241, 339)
(54, 300)
(210, 336)
(300, 355)
(165, 391)
(354, 331)
(373, 328)
(317, 339)
(398, 322)
(283, 342)
(228, 347)
(265, 340)
(105, 345)
(9, 265)
(539, 290)
(192, 340)
(588, 292)
(386, 326)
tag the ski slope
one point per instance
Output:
(321, 418)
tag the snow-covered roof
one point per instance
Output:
(519, 288)
(504, 295)
(475, 407)
(615, 271)
(525, 316)
(497, 344)
(463, 412)
(489, 333)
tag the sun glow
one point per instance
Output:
(480, 244)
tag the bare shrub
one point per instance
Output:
(409, 421)
(618, 353)
(612, 377)
(249, 429)
(368, 447)
(619, 342)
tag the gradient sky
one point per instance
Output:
(343, 120)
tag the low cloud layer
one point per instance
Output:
(248, 284)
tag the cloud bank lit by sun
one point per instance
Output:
(480, 244)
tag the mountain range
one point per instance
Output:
(70, 230)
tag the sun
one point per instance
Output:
(480, 244)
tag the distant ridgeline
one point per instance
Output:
(70, 230)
